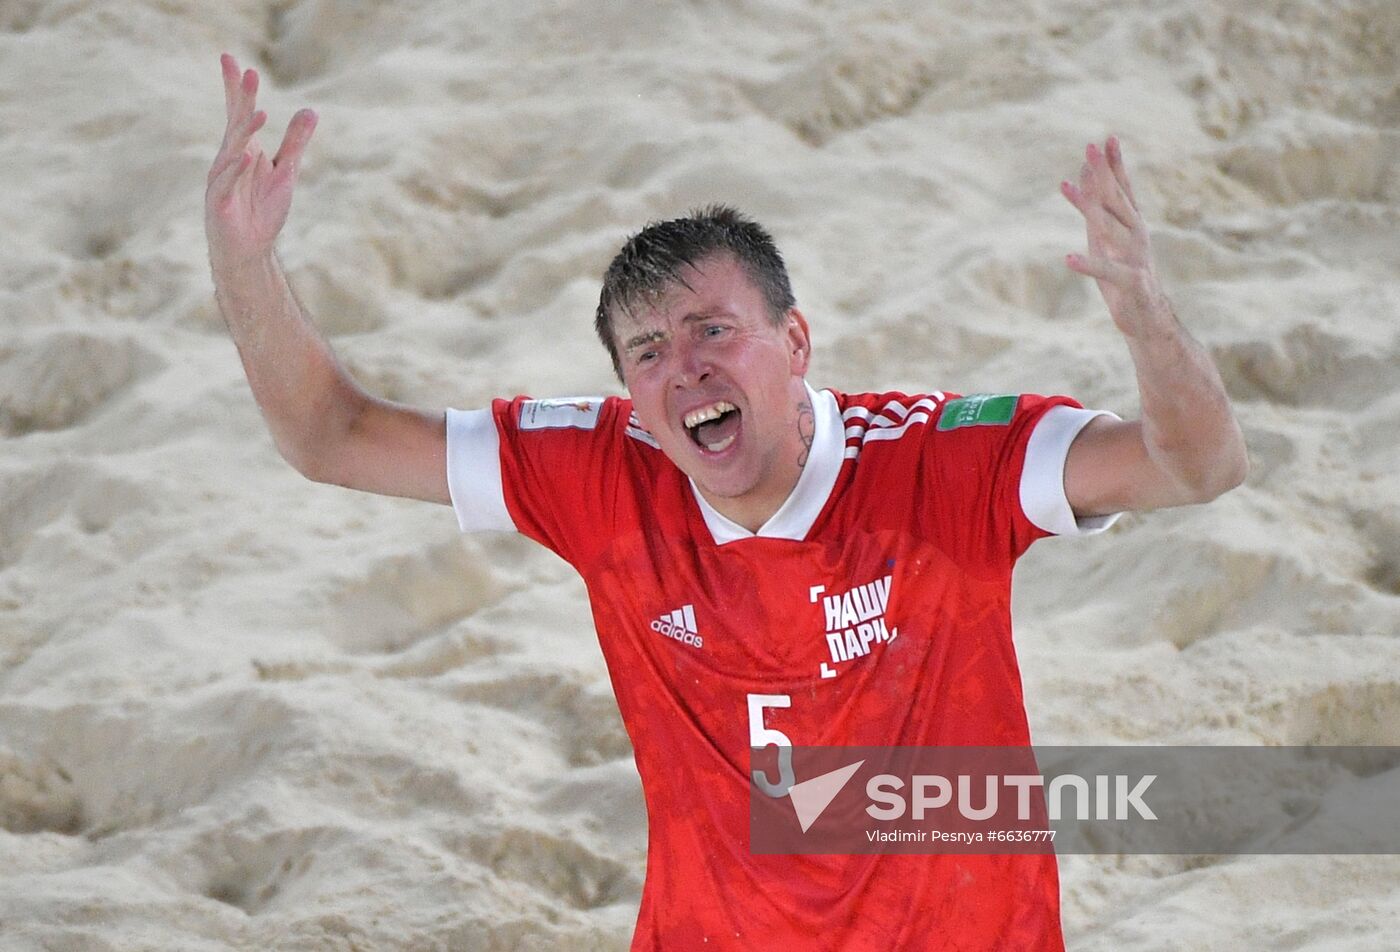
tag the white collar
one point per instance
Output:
(802, 506)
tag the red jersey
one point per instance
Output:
(908, 518)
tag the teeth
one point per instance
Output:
(713, 412)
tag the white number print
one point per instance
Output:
(762, 736)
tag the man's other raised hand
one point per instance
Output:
(1120, 254)
(1187, 448)
(248, 195)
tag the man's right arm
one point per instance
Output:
(323, 423)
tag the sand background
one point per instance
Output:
(239, 710)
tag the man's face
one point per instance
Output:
(711, 356)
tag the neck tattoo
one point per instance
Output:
(806, 430)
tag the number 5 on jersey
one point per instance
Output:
(761, 736)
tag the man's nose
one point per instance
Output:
(691, 366)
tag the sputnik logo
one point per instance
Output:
(811, 797)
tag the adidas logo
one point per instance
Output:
(680, 625)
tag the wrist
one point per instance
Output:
(226, 266)
(1152, 317)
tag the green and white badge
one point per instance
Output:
(979, 409)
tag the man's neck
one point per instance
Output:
(752, 510)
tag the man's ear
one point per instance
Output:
(799, 341)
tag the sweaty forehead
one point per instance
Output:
(655, 307)
(718, 283)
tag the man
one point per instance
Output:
(719, 514)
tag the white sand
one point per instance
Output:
(242, 711)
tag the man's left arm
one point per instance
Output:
(1187, 447)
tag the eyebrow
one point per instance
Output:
(656, 335)
(646, 338)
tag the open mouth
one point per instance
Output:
(715, 427)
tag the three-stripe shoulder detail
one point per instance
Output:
(635, 430)
(889, 421)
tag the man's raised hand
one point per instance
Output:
(248, 195)
(1120, 254)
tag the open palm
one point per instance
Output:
(1120, 252)
(248, 195)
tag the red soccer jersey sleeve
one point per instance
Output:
(561, 470)
(977, 449)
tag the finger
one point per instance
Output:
(249, 89)
(240, 89)
(1120, 171)
(228, 66)
(238, 135)
(222, 185)
(241, 100)
(1101, 224)
(1075, 195)
(236, 85)
(294, 142)
(240, 93)
(1104, 269)
(236, 143)
(1097, 180)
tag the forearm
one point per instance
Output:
(1188, 427)
(304, 394)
